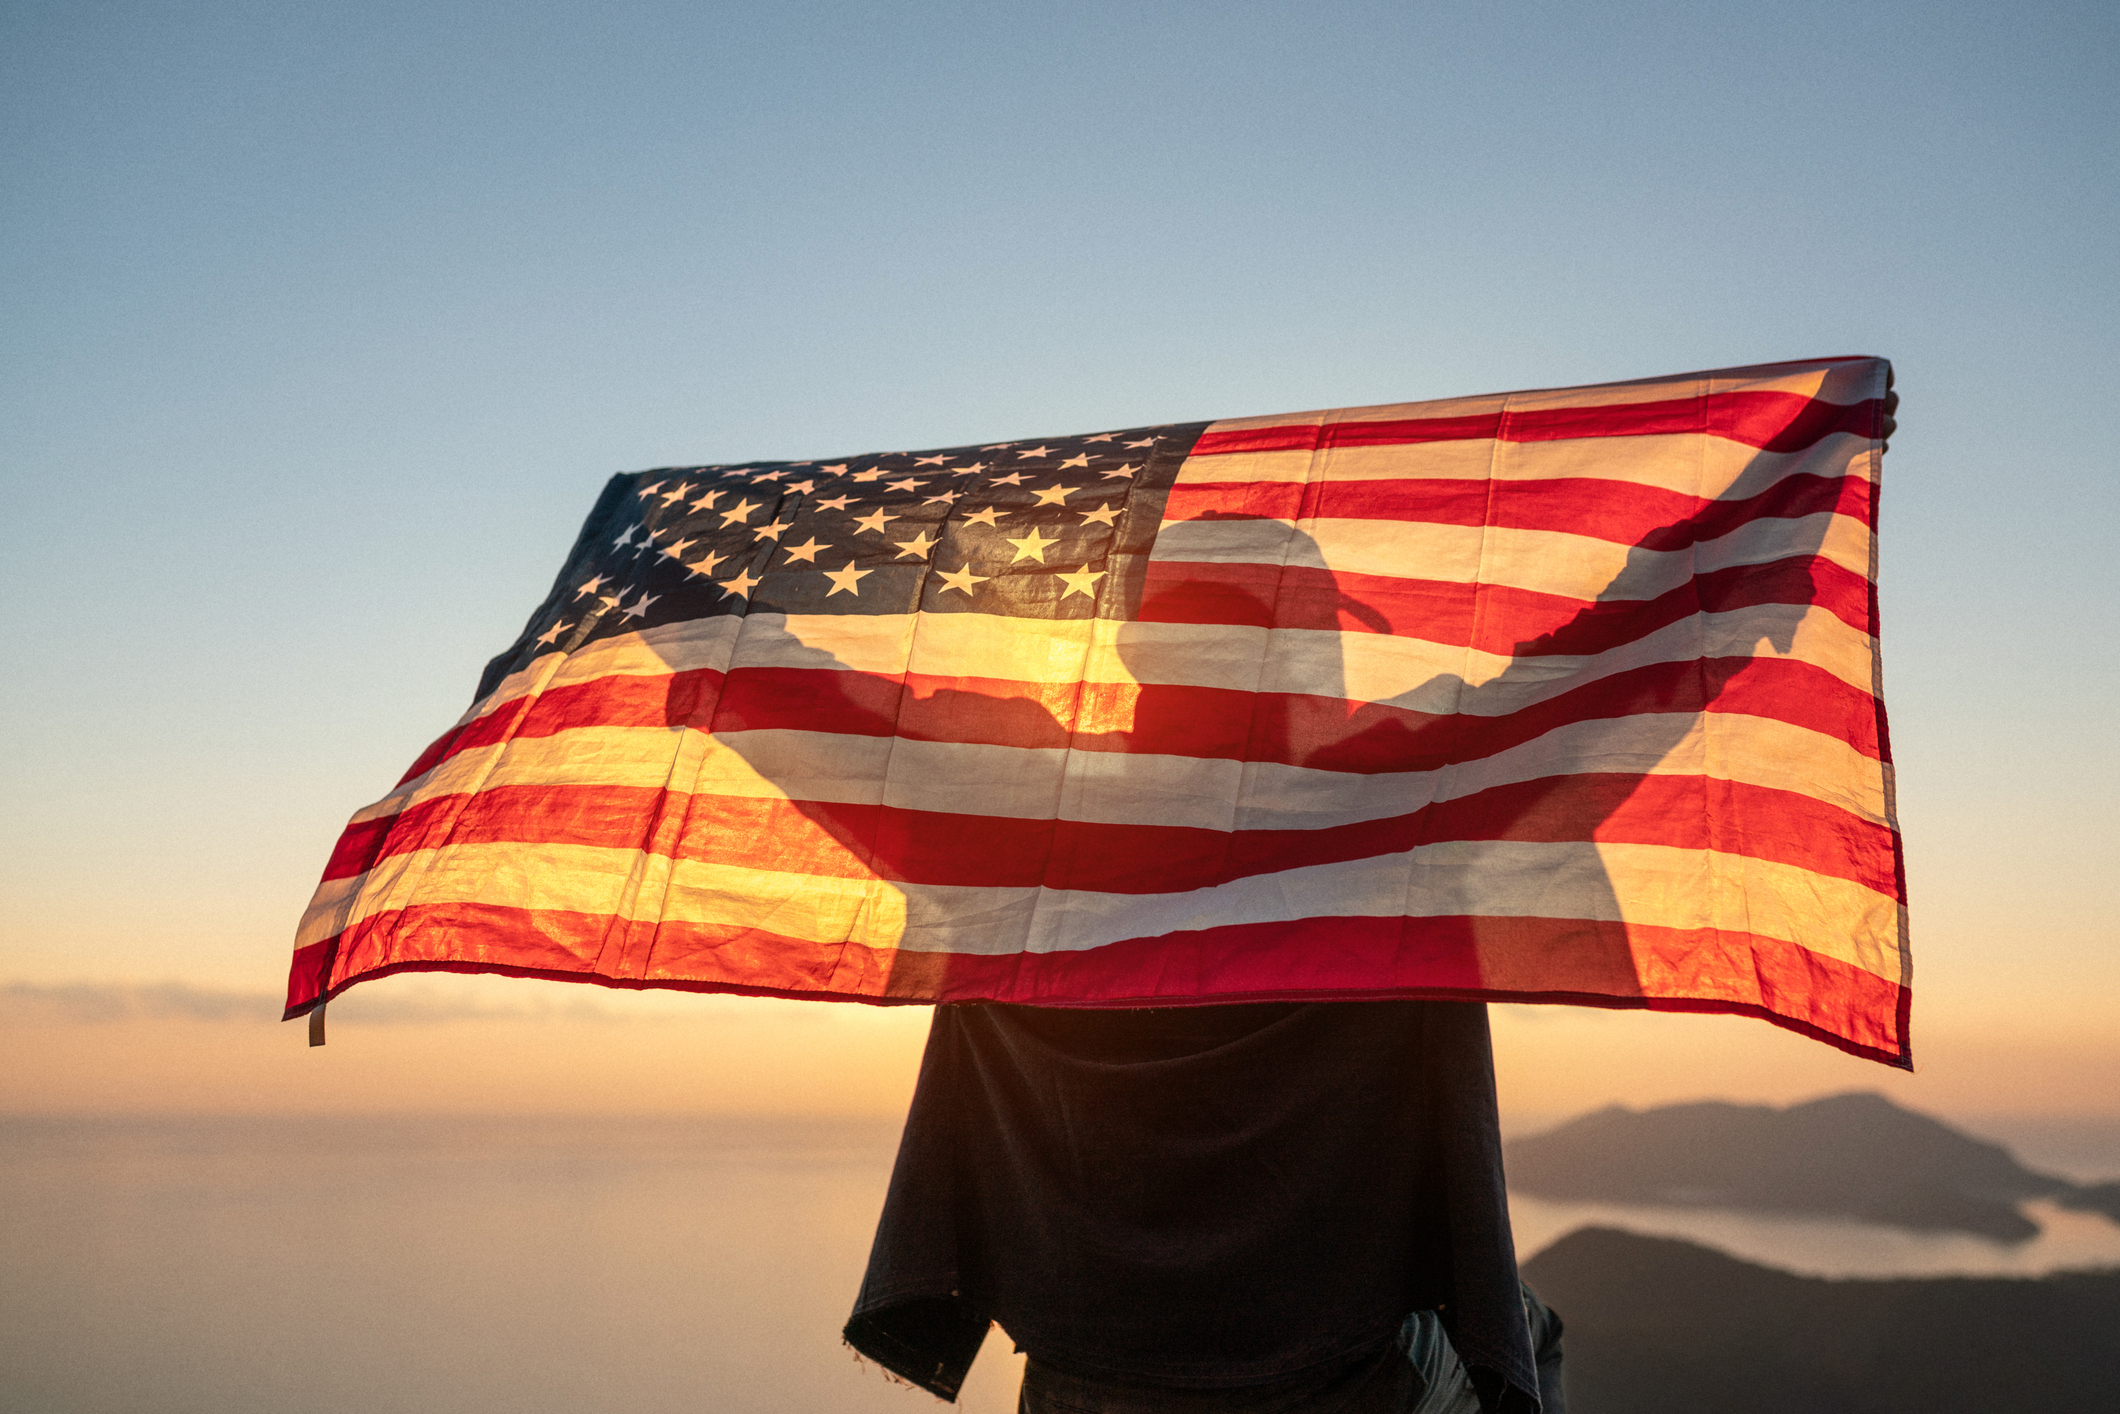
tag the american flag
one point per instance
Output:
(1562, 696)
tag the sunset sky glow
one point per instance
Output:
(322, 328)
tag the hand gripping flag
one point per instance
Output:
(1563, 696)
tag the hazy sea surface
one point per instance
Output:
(467, 1266)
(329, 1265)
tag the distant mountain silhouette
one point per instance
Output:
(1858, 1156)
(1659, 1326)
(2095, 1198)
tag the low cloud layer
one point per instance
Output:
(413, 1002)
(94, 1003)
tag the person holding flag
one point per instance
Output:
(1209, 777)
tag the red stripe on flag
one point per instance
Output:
(1771, 421)
(309, 976)
(1519, 623)
(1332, 734)
(615, 700)
(1512, 622)
(839, 840)
(1295, 729)
(1580, 961)
(1648, 517)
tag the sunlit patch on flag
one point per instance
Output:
(1557, 696)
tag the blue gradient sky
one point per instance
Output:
(322, 325)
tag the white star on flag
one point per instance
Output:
(1031, 546)
(1082, 581)
(846, 580)
(962, 579)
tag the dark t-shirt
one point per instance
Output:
(1199, 1196)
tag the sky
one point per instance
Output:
(322, 326)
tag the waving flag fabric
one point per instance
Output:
(1563, 696)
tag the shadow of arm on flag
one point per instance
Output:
(1498, 783)
(1595, 732)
